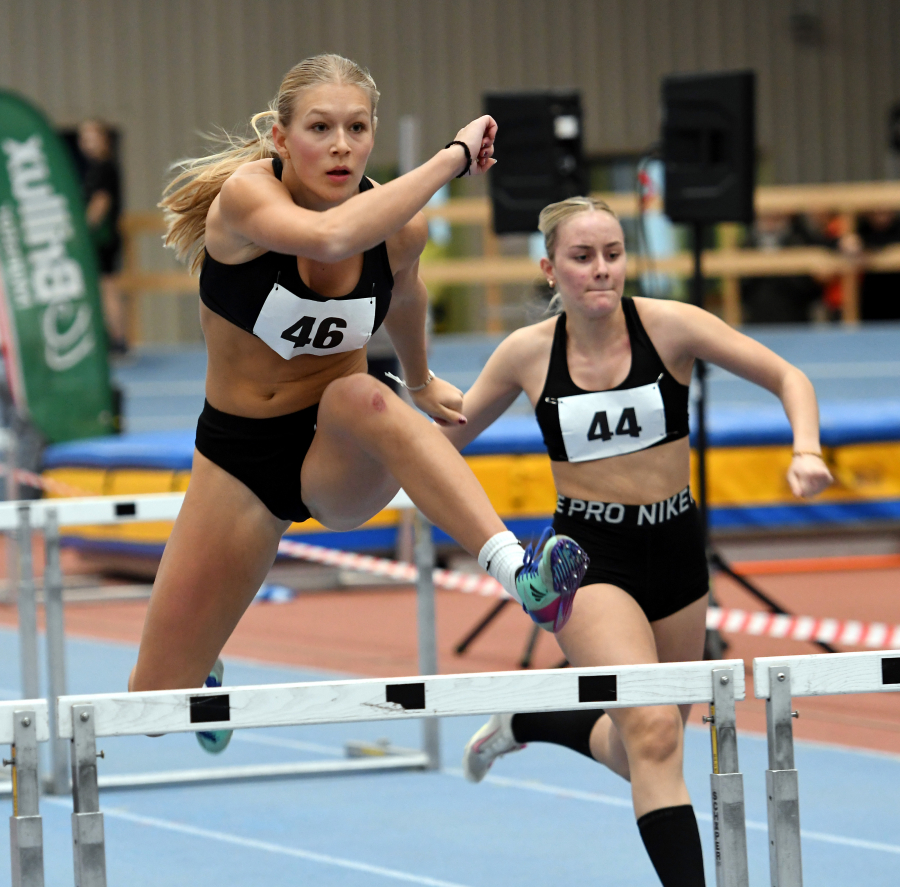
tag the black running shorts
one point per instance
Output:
(265, 455)
(654, 552)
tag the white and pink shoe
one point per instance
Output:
(494, 739)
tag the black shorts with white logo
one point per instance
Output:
(265, 455)
(654, 552)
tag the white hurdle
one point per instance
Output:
(85, 718)
(47, 515)
(778, 679)
(23, 724)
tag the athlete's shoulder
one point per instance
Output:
(528, 342)
(249, 183)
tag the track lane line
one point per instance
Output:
(267, 846)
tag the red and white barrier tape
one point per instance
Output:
(47, 484)
(848, 632)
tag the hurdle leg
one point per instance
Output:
(729, 824)
(26, 836)
(782, 787)
(27, 606)
(87, 821)
(58, 783)
(427, 632)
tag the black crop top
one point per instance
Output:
(267, 297)
(648, 409)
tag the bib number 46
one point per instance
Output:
(328, 335)
(627, 425)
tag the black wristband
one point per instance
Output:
(465, 148)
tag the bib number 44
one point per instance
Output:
(328, 334)
(626, 426)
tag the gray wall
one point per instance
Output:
(164, 70)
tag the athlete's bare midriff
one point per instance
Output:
(633, 479)
(245, 377)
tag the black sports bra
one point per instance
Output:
(648, 409)
(267, 297)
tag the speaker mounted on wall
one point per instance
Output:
(539, 149)
(709, 146)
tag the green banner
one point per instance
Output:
(51, 322)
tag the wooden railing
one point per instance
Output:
(492, 270)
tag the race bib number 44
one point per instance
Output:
(611, 423)
(290, 325)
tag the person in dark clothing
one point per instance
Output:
(879, 297)
(781, 299)
(101, 184)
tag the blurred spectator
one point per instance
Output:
(103, 197)
(879, 296)
(781, 299)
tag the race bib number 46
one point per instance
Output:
(291, 325)
(611, 423)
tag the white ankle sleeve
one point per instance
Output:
(501, 556)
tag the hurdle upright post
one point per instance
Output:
(782, 785)
(426, 629)
(727, 784)
(88, 849)
(27, 607)
(58, 782)
(26, 837)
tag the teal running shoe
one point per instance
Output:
(214, 741)
(549, 577)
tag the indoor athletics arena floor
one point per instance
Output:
(544, 816)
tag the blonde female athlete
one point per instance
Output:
(608, 379)
(301, 259)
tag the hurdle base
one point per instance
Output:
(408, 761)
(26, 838)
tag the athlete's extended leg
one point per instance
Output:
(368, 443)
(223, 544)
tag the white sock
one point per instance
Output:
(502, 556)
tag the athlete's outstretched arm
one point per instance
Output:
(703, 335)
(493, 392)
(260, 209)
(405, 324)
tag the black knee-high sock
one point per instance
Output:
(569, 728)
(673, 845)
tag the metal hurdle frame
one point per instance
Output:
(84, 719)
(23, 517)
(23, 724)
(778, 679)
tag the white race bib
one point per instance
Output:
(610, 423)
(291, 325)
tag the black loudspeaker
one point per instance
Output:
(539, 154)
(894, 127)
(709, 141)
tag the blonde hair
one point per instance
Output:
(553, 215)
(187, 198)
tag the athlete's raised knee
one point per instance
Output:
(356, 398)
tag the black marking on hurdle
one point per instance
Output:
(126, 509)
(890, 670)
(597, 688)
(409, 696)
(206, 709)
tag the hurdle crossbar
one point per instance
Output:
(23, 724)
(778, 679)
(328, 702)
(831, 674)
(106, 510)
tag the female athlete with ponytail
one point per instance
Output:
(301, 259)
(608, 379)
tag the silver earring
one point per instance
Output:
(551, 284)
